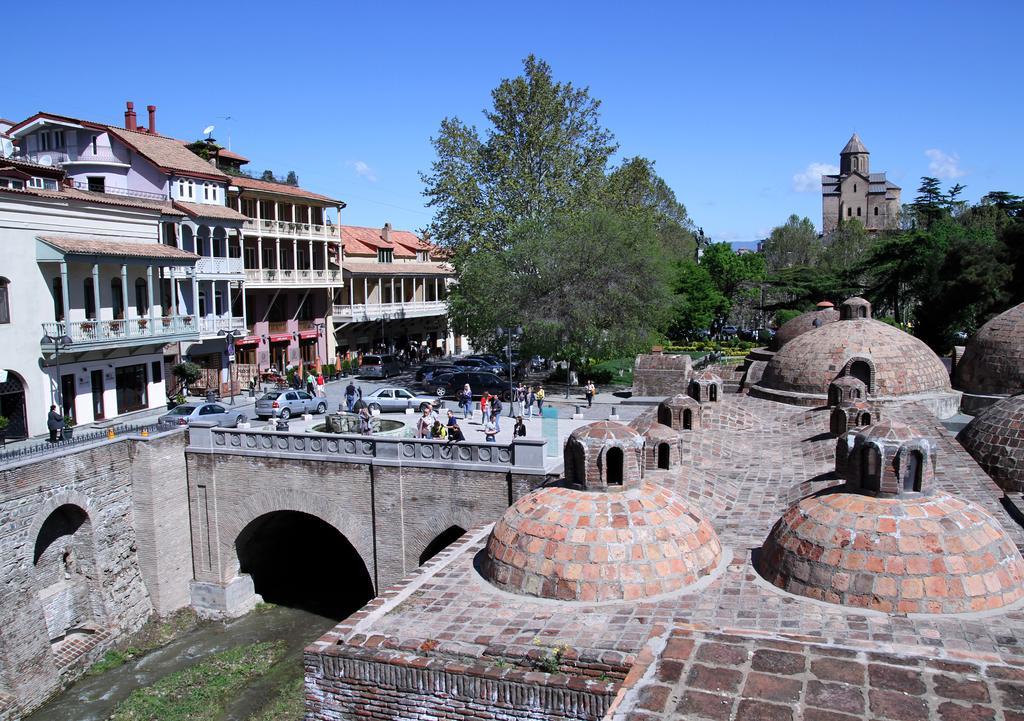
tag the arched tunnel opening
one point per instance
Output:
(299, 561)
(444, 539)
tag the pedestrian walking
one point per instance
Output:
(519, 429)
(518, 397)
(320, 385)
(540, 401)
(466, 402)
(310, 384)
(490, 432)
(350, 396)
(55, 424)
(589, 390)
(531, 398)
(423, 425)
(496, 406)
(484, 402)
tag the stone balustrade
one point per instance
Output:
(521, 456)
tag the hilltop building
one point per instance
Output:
(857, 193)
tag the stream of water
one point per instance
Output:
(93, 698)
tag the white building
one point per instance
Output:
(88, 267)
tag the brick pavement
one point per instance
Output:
(751, 461)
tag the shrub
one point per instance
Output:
(187, 373)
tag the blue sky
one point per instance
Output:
(739, 104)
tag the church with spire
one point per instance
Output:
(857, 193)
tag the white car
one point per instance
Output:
(396, 399)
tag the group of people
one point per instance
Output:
(523, 401)
(430, 425)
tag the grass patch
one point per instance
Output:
(201, 692)
(153, 635)
(290, 702)
(617, 366)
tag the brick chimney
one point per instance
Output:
(129, 116)
(152, 119)
(385, 233)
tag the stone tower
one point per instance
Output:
(857, 193)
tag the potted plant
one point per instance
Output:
(69, 428)
(143, 322)
(346, 367)
(166, 320)
(187, 320)
(88, 326)
(187, 373)
(4, 422)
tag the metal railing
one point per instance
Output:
(374, 311)
(289, 276)
(45, 448)
(220, 266)
(61, 156)
(94, 331)
(126, 192)
(709, 360)
(286, 227)
(213, 325)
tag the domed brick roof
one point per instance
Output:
(603, 431)
(928, 554)
(803, 323)
(889, 430)
(995, 438)
(993, 362)
(568, 544)
(903, 365)
(655, 431)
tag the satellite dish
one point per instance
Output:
(208, 130)
(46, 160)
(6, 148)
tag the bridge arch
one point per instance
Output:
(283, 513)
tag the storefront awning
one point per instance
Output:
(308, 334)
(248, 340)
(280, 337)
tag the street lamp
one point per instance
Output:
(383, 340)
(229, 340)
(518, 330)
(59, 341)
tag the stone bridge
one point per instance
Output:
(384, 504)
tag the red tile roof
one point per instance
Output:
(202, 210)
(396, 268)
(230, 154)
(170, 154)
(118, 248)
(366, 241)
(280, 188)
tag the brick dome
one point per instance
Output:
(564, 543)
(993, 362)
(926, 554)
(604, 455)
(996, 440)
(890, 362)
(802, 324)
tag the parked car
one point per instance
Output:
(285, 404)
(427, 370)
(379, 366)
(396, 399)
(182, 415)
(729, 331)
(449, 384)
(537, 363)
(479, 364)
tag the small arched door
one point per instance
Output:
(862, 371)
(663, 456)
(12, 406)
(613, 466)
(912, 472)
(687, 420)
(713, 392)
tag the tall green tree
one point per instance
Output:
(584, 284)
(930, 204)
(543, 150)
(795, 243)
(736, 276)
(698, 303)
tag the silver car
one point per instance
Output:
(396, 399)
(288, 403)
(185, 413)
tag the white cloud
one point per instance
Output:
(363, 170)
(808, 180)
(944, 165)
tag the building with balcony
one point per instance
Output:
(395, 295)
(291, 250)
(88, 270)
(136, 163)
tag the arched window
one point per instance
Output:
(141, 297)
(856, 163)
(849, 211)
(834, 395)
(117, 297)
(713, 392)
(90, 299)
(870, 460)
(58, 299)
(202, 304)
(665, 416)
(876, 210)
(187, 239)
(854, 187)
(218, 303)
(913, 471)
(5, 301)
(865, 419)
(861, 370)
(613, 460)
(858, 211)
(663, 455)
(687, 419)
